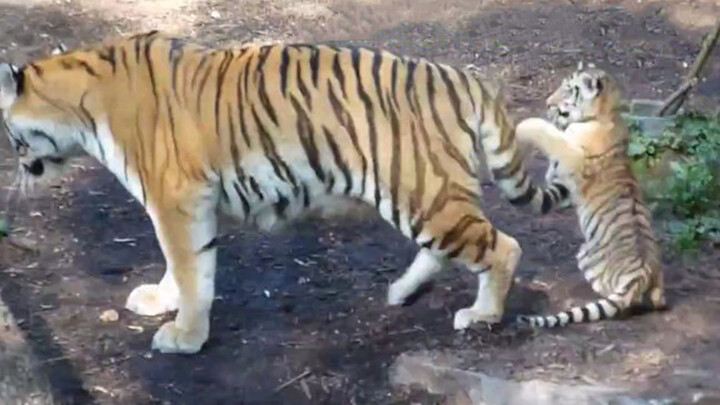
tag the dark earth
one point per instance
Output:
(307, 305)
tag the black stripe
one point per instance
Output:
(315, 65)
(547, 203)
(256, 188)
(419, 169)
(370, 118)
(281, 205)
(339, 75)
(201, 89)
(224, 65)
(448, 146)
(241, 106)
(264, 99)
(209, 246)
(458, 229)
(89, 70)
(585, 313)
(201, 64)
(455, 103)
(171, 117)
(526, 197)
(93, 125)
(347, 122)
(175, 56)
(302, 87)
(339, 160)
(271, 152)
(123, 59)
(466, 85)
(43, 135)
(376, 64)
(284, 66)
(410, 84)
(243, 199)
(481, 245)
(393, 81)
(306, 133)
(395, 166)
(108, 55)
(510, 170)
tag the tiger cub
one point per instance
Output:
(267, 132)
(620, 256)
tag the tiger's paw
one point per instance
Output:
(148, 300)
(398, 293)
(171, 339)
(468, 316)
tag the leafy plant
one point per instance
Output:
(690, 192)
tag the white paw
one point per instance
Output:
(467, 316)
(147, 300)
(397, 293)
(170, 339)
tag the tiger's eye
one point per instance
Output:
(22, 150)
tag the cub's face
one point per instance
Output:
(575, 99)
(43, 127)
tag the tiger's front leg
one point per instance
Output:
(187, 235)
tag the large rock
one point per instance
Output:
(437, 373)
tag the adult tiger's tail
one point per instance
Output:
(604, 308)
(506, 161)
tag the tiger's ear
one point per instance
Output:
(10, 81)
(591, 85)
(60, 48)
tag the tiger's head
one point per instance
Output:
(42, 112)
(587, 94)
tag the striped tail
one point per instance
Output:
(604, 308)
(506, 161)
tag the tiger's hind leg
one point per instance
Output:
(495, 275)
(461, 233)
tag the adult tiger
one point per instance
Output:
(620, 256)
(266, 133)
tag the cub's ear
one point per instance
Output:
(10, 84)
(591, 85)
(60, 48)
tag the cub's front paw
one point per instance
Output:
(468, 316)
(170, 339)
(150, 300)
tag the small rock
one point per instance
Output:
(109, 315)
(215, 15)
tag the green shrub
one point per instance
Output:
(689, 192)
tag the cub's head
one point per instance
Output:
(588, 94)
(43, 114)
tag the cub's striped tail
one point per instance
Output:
(604, 308)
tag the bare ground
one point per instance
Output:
(312, 298)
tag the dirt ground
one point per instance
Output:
(310, 301)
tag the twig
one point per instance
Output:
(675, 100)
(678, 97)
(293, 380)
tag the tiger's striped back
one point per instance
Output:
(396, 132)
